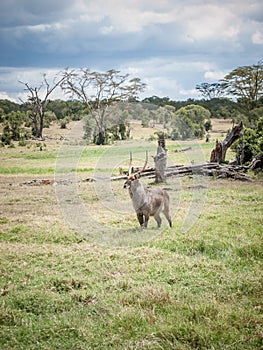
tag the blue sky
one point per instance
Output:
(172, 45)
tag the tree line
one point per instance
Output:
(108, 101)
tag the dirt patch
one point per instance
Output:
(221, 126)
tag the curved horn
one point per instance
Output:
(146, 161)
(143, 168)
(130, 165)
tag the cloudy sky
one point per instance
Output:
(172, 45)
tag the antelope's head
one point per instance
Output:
(130, 180)
(133, 178)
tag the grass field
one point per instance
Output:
(76, 272)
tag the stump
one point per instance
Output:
(160, 160)
(218, 154)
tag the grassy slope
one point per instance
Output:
(199, 289)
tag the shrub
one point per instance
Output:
(251, 144)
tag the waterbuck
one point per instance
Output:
(147, 201)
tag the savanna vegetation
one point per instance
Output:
(77, 272)
(109, 101)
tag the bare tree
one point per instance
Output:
(99, 91)
(37, 101)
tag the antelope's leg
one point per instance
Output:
(158, 219)
(140, 218)
(146, 220)
(168, 217)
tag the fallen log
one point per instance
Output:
(207, 169)
(216, 170)
(183, 150)
(53, 182)
(256, 163)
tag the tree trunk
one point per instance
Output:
(41, 125)
(35, 128)
(218, 154)
(100, 138)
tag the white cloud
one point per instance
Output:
(169, 77)
(5, 96)
(161, 86)
(126, 17)
(45, 27)
(166, 65)
(257, 38)
(106, 30)
(214, 75)
(209, 21)
(191, 92)
(170, 44)
(15, 90)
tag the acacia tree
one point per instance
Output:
(210, 91)
(37, 101)
(246, 83)
(99, 91)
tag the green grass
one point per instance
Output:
(90, 298)
(34, 162)
(194, 289)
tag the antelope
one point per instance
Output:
(147, 201)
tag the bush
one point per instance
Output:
(64, 122)
(6, 137)
(22, 142)
(189, 121)
(250, 145)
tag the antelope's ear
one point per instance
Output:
(136, 176)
